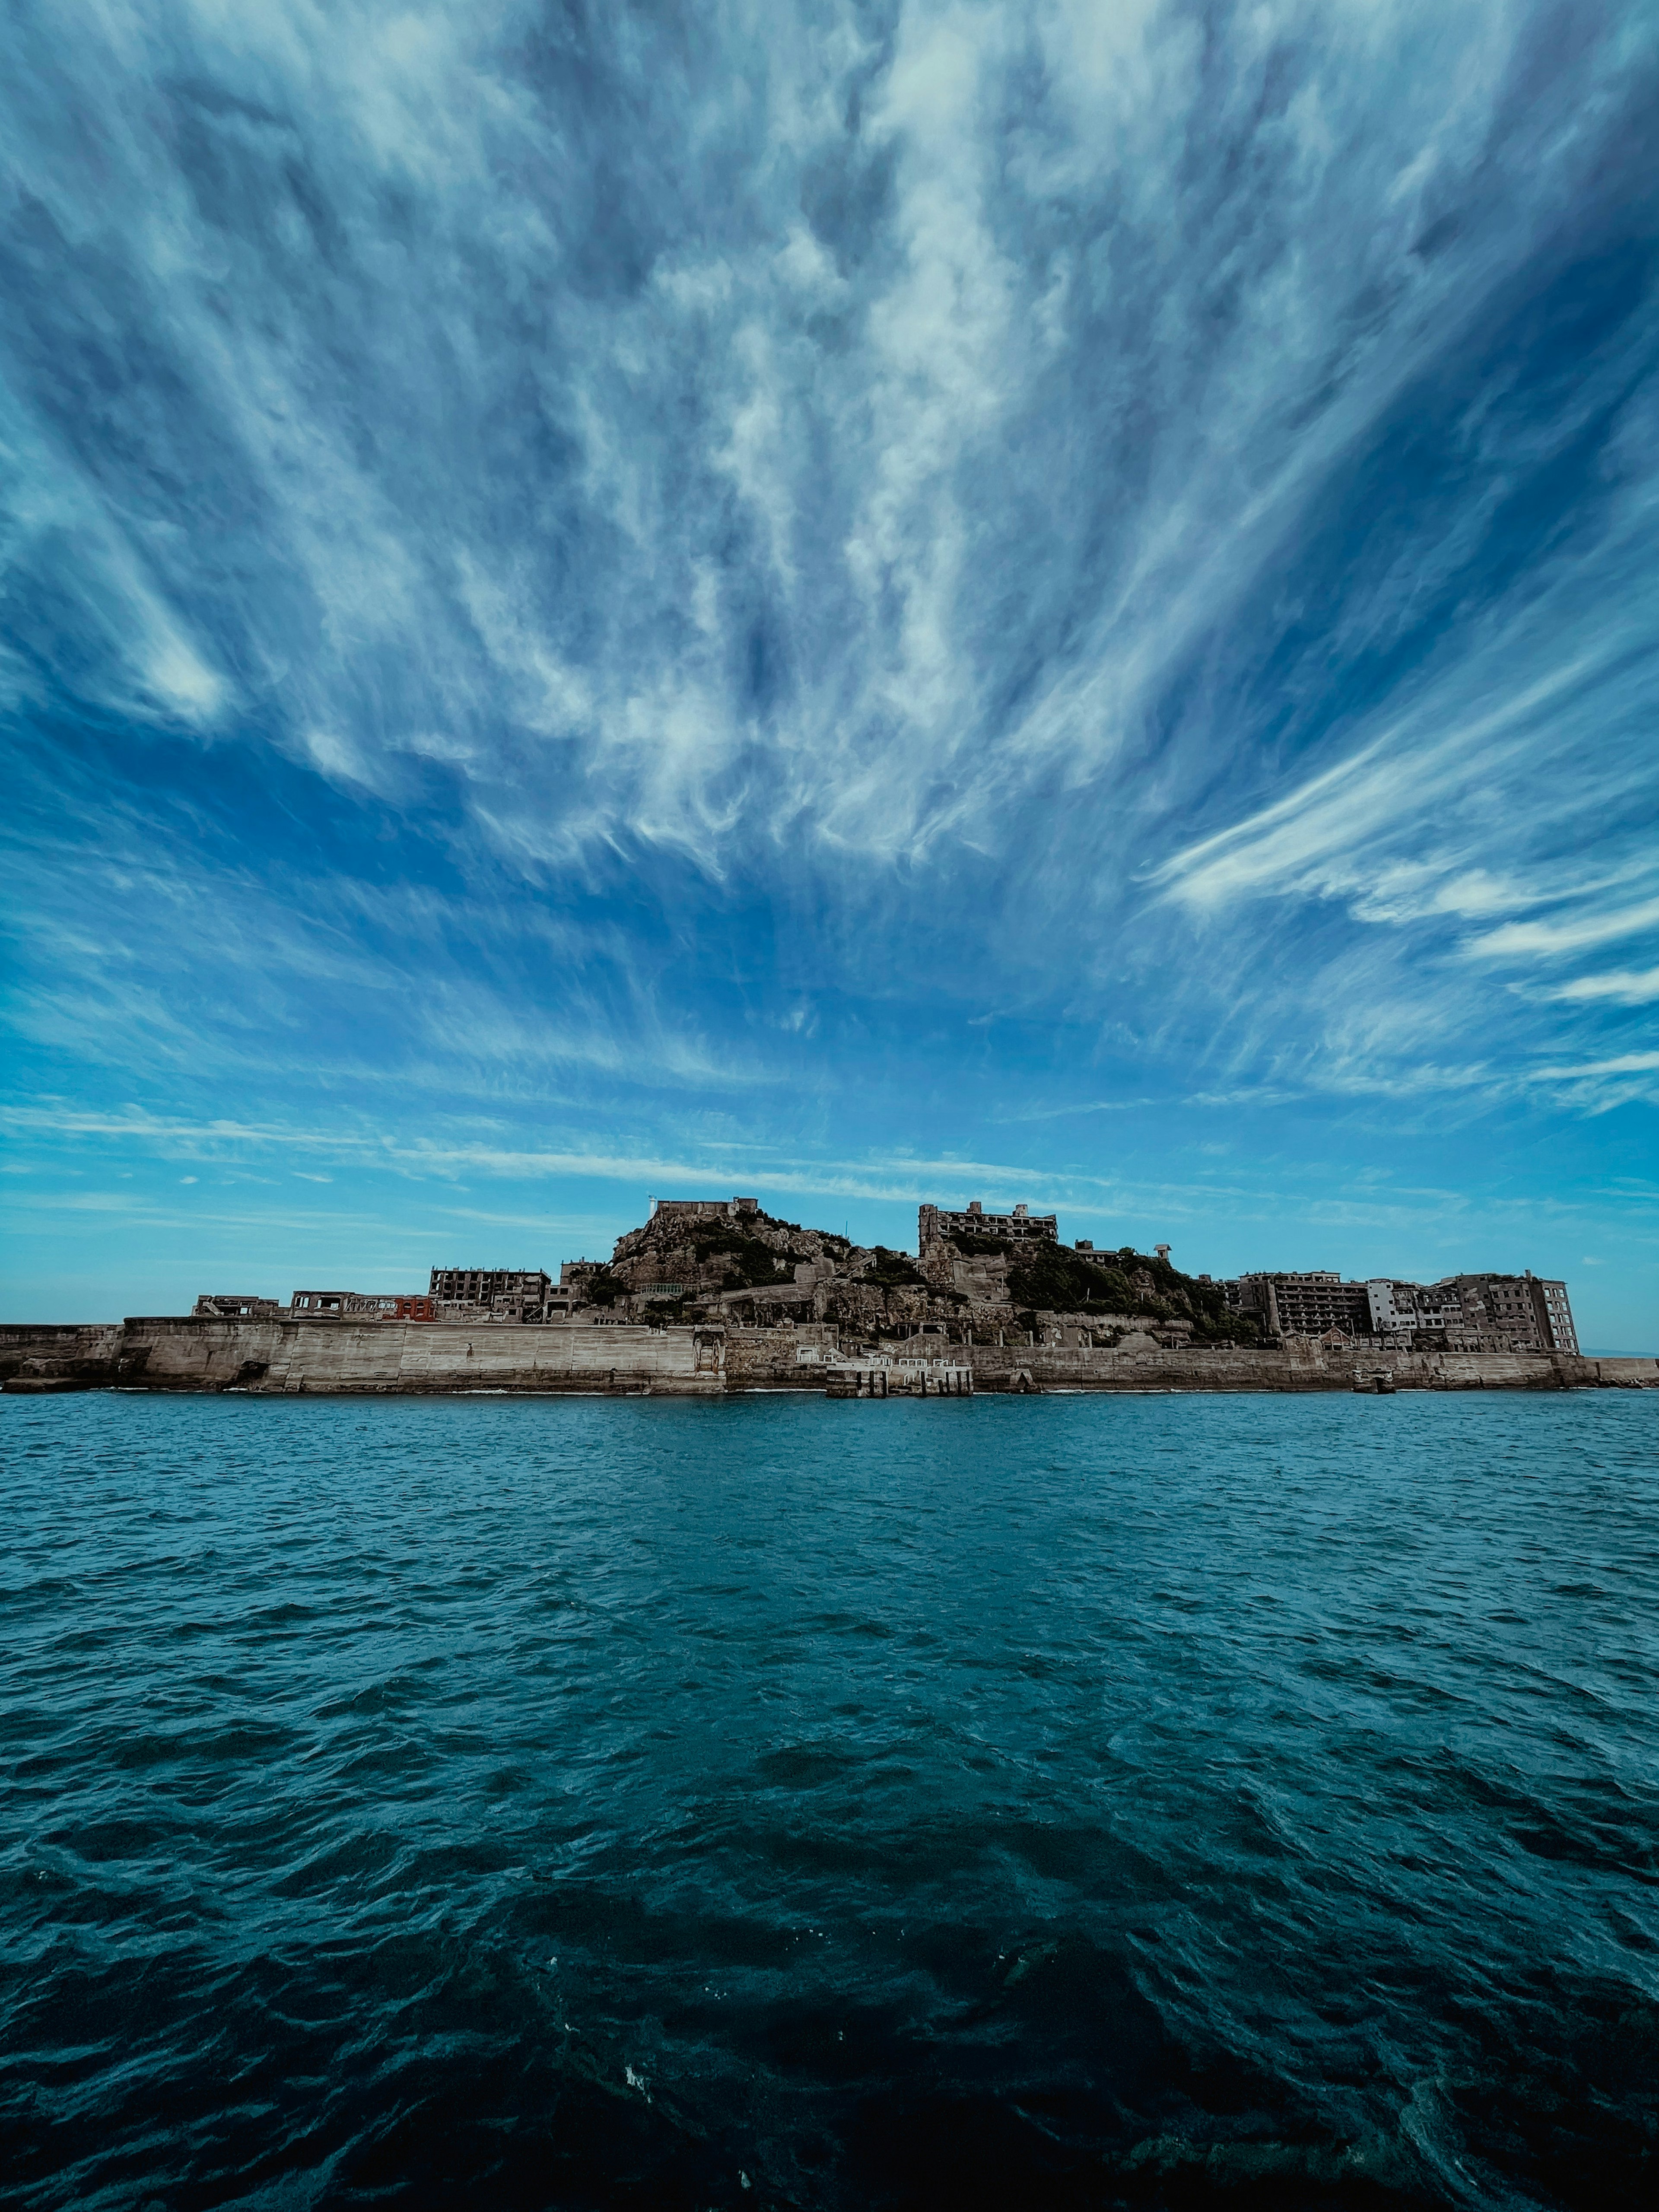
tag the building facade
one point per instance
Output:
(346, 1305)
(1460, 1313)
(706, 1209)
(1517, 1313)
(493, 1293)
(1310, 1304)
(935, 1223)
(1420, 1317)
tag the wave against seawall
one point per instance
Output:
(1171, 1801)
(274, 1358)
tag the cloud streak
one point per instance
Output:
(630, 576)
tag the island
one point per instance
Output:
(717, 1296)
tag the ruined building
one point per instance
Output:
(935, 1224)
(1460, 1313)
(499, 1293)
(979, 1278)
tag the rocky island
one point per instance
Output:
(710, 1297)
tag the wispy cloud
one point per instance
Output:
(1549, 939)
(623, 579)
(1623, 987)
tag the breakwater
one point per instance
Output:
(283, 1357)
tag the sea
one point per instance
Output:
(1074, 1802)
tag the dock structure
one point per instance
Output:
(898, 1378)
(849, 1380)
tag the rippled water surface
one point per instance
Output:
(1057, 1802)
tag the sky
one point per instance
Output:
(859, 603)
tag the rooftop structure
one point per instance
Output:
(706, 1209)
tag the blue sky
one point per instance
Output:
(853, 603)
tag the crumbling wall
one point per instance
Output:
(770, 1358)
(68, 1352)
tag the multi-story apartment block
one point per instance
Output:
(1429, 1316)
(1310, 1303)
(1517, 1313)
(935, 1223)
(496, 1293)
(1462, 1313)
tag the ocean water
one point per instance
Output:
(1162, 1801)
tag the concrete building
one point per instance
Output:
(1422, 1317)
(1460, 1313)
(935, 1223)
(706, 1209)
(347, 1305)
(222, 1305)
(1514, 1313)
(1310, 1304)
(493, 1293)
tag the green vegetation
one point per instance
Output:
(892, 1271)
(748, 1263)
(1047, 1276)
(1071, 1282)
(604, 1290)
(973, 1247)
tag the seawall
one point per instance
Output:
(277, 1358)
(284, 1357)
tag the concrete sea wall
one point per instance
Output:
(284, 1357)
(281, 1357)
(1298, 1367)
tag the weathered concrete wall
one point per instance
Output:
(1625, 1373)
(280, 1357)
(84, 1354)
(288, 1357)
(1296, 1367)
(769, 1358)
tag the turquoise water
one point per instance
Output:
(1060, 1801)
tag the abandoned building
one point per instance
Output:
(494, 1293)
(345, 1305)
(935, 1223)
(704, 1209)
(1460, 1313)
(978, 1278)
